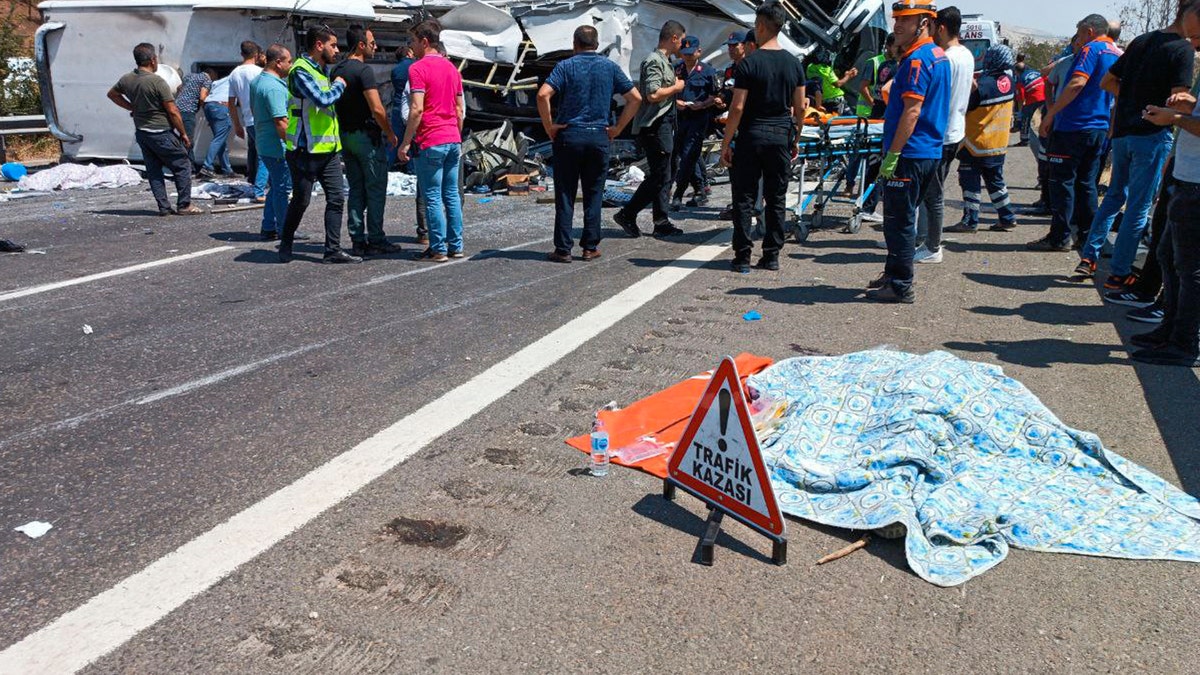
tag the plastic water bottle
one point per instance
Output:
(599, 460)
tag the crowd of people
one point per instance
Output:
(317, 118)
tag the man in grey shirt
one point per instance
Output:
(151, 103)
(654, 127)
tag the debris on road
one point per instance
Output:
(87, 330)
(846, 550)
(10, 246)
(34, 529)
(214, 190)
(752, 315)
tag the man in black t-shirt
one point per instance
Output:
(364, 128)
(766, 111)
(1155, 66)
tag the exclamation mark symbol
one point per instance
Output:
(726, 398)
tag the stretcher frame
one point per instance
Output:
(834, 154)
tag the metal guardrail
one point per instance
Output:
(20, 124)
(23, 124)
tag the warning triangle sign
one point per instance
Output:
(718, 458)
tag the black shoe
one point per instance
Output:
(740, 265)
(1004, 227)
(360, 249)
(698, 200)
(962, 227)
(768, 263)
(383, 248)
(666, 229)
(1167, 355)
(1129, 298)
(206, 173)
(9, 246)
(888, 294)
(558, 257)
(340, 257)
(163, 213)
(1047, 244)
(1152, 314)
(1084, 271)
(628, 224)
(1037, 208)
(457, 255)
(881, 281)
(1151, 340)
(269, 236)
(285, 254)
(676, 204)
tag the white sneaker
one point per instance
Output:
(924, 256)
(870, 217)
(881, 243)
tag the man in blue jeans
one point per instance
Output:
(435, 123)
(1156, 66)
(269, 103)
(1079, 119)
(585, 84)
(914, 129)
(216, 113)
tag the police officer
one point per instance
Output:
(913, 130)
(695, 107)
(314, 144)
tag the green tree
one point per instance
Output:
(1038, 53)
(18, 79)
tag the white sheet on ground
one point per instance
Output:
(80, 176)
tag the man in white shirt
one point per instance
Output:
(962, 70)
(242, 114)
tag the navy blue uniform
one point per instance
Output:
(702, 83)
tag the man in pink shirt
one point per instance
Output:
(435, 125)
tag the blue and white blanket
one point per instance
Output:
(967, 459)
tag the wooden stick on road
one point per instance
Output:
(843, 552)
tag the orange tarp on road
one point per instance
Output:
(664, 414)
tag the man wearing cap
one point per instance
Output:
(654, 127)
(695, 107)
(913, 130)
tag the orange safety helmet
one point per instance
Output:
(914, 8)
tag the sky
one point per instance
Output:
(1052, 16)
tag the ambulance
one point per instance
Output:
(978, 34)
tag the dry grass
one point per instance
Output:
(32, 148)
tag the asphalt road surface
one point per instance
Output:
(263, 468)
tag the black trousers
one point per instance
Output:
(903, 194)
(307, 169)
(689, 143)
(658, 142)
(770, 161)
(1179, 254)
(165, 149)
(1074, 158)
(580, 159)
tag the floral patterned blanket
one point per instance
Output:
(966, 459)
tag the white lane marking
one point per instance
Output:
(113, 617)
(224, 375)
(215, 378)
(34, 290)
